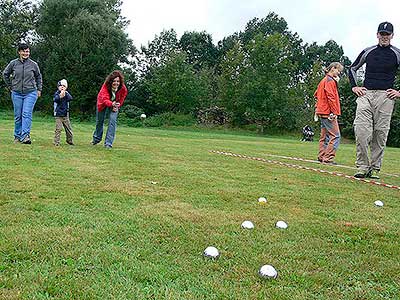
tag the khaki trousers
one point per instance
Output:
(60, 123)
(371, 127)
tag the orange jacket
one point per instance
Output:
(327, 97)
(104, 97)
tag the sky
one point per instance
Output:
(350, 23)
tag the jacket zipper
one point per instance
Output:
(23, 76)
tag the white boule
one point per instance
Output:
(211, 252)
(268, 271)
(143, 116)
(247, 225)
(262, 200)
(281, 225)
(378, 203)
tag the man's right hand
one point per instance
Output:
(359, 90)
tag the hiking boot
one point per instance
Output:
(27, 140)
(373, 174)
(360, 174)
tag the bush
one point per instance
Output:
(212, 116)
(131, 111)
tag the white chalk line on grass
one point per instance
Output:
(307, 168)
(317, 162)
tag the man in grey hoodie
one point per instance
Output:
(23, 78)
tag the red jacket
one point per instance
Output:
(104, 97)
(327, 97)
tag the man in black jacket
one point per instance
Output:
(375, 100)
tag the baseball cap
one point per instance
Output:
(385, 27)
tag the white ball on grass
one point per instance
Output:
(211, 252)
(262, 200)
(143, 116)
(247, 225)
(268, 271)
(281, 225)
(378, 203)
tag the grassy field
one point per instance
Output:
(83, 222)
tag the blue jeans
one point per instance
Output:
(112, 126)
(23, 108)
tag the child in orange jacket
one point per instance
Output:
(327, 109)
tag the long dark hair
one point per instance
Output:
(110, 78)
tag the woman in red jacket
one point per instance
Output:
(327, 109)
(109, 100)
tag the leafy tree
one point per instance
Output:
(267, 26)
(270, 25)
(81, 41)
(158, 51)
(234, 69)
(199, 48)
(325, 54)
(17, 18)
(394, 133)
(175, 86)
(306, 90)
(224, 46)
(208, 91)
(256, 82)
(348, 107)
(268, 91)
(151, 57)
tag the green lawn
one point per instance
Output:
(84, 222)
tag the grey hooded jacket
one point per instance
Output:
(23, 76)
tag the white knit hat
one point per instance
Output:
(62, 82)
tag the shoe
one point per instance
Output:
(360, 174)
(57, 145)
(108, 147)
(373, 174)
(95, 143)
(16, 141)
(27, 140)
(71, 143)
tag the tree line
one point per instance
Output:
(263, 76)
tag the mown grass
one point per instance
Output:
(83, 222)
